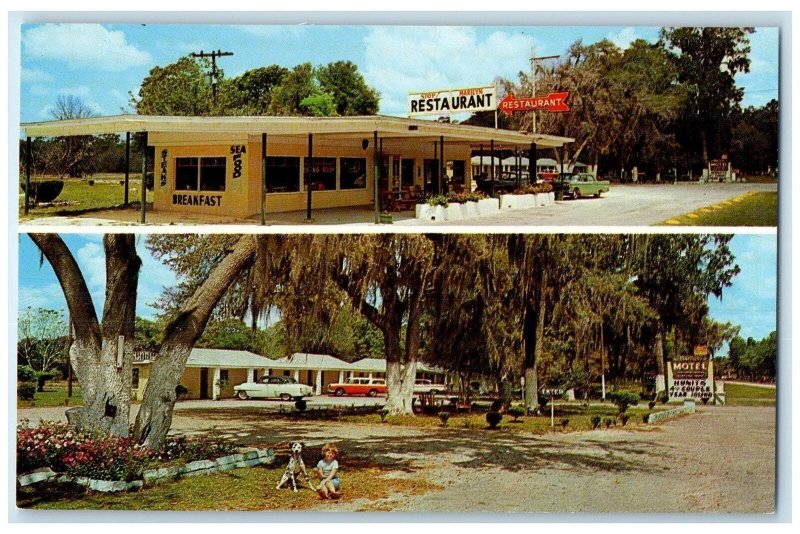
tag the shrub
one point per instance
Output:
(301, 405)
(623, 399)
(494, 418)
(42, 377)
(663, 397)
(608, 421)
(180, 389)
(383, 413)
(543, 400)
(103, 457)
(624, 418)
(516, 412)
(444, 417)
(437, 200)
(184, 449)
(496, 405)
(651, 404)
(645, 418)
(564, 422)
(26, 390)
(44, 191)
(595, 421)
(25, 374)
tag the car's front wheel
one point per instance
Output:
(372, 392)
(339, 392)
(243, 395)
(434, 392)
(285, 397)
(576, 193)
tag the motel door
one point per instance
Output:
(203, 383)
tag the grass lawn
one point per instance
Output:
(78, 196)
(749, 395)
(248, 489)
(54, 394)
(749, 209)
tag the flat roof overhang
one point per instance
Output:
(352, 127)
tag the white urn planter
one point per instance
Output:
(424, 212)
(454, 212)
(439, 213)
(526, 201)
(488, 206)
(508, 202)
(470, 209)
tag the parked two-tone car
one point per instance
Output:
(284, 388)
(358, 386)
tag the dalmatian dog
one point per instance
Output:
(295, 468)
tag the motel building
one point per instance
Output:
(212, 373)
(246, 167)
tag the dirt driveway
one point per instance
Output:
(720, 460)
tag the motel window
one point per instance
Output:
(321, 173)
(353, 174)
(200, 174)
(135, 378)
(283, 174)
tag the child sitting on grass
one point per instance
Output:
(328, 470)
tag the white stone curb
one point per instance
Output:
(687, 408)
(154, 476)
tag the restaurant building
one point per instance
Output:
(245, 166)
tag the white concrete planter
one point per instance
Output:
(454, 212)
(439, 213)
(526, 201)
(541, 199)
(508, 202)
(488, 206)
(470, 209)
(551, 198)
(424, 212)
(43, 473)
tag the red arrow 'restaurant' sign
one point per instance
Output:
(552, 102)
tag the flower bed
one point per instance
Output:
(89, 459)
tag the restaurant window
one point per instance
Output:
(321, 173)
(283, 174)
(200, 174)
(353, 173)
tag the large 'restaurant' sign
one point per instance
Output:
(691, 376)
(470, 99)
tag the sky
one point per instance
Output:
(749, 302)
(102, 64)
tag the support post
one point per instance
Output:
(533, 170)
(263, 179)
(144, 178)
(28, 148)
(441, 166)
(308, 176)
(376, 177)
(491, 164)
(127, 165)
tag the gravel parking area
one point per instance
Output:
(720, 460)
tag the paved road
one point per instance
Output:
(624, 205)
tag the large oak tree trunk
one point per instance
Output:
(101, 356)
(158, 401)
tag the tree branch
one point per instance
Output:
(79, 300)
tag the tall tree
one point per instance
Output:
(251, 92)
(180, 88)
(350, 92)
(295, 87)
(42, 335)
(707, 60)
(104, 376)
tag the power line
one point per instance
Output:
(213, 55)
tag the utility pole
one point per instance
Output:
(534, 59)
(213, 55)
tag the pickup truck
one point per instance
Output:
(358, 386)
(424, 386)
(583, 185)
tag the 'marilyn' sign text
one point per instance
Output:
(470, 100)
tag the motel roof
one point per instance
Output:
(227, 358)
(358, 127)
(303, 360)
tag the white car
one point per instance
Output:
(273, 387)
(425, 386)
